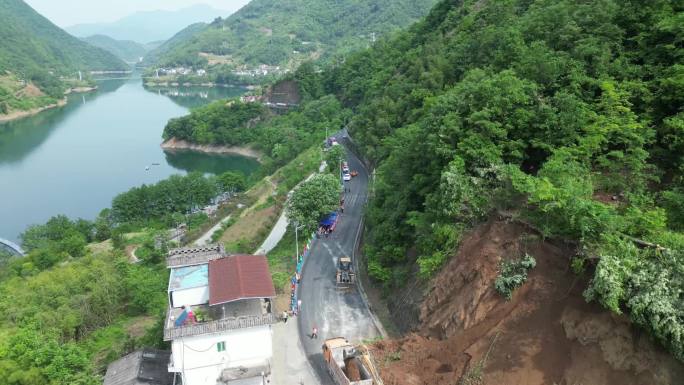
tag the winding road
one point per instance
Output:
(335, 312)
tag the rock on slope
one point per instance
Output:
(547, 333)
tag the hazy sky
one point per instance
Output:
(65, 13)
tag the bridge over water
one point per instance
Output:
(12, 246)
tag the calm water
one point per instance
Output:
(74, 160)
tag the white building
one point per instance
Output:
(219, 319)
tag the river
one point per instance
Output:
(74, 160)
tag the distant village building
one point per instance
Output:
(219, 318)
(250, 99)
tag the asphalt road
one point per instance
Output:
(335, 312)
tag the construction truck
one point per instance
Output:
(345, 364)
(345, 271)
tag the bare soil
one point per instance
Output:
(213, 59)
(286, 91)
(30, 91)
(546, 334)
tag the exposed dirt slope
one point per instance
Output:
(547, 333)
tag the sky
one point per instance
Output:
(66, 13)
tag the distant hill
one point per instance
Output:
(126, 50)
(36, 56)
(149, 26)
(177, 40)
(30, 43)
(278, 32)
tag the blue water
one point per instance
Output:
(74, 160)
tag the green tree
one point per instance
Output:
(231, 181)
(333, 157)
(314, 199)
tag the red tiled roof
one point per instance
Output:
(239, 277)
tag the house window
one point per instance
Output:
(221, 346)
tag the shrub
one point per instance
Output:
(513, 274)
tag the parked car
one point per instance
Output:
(346, 177)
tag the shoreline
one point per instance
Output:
(79, 90)
(14, 115)
(205, 85)
(175, 144)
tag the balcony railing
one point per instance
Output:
(198, 257)
(216, 326)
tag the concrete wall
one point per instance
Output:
(193, 296)
(201, 363)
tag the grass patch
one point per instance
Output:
(297, 170)
(230, 208)
(282, 261)
(121, 337)
(249, 231)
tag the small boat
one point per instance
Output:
(155, 164)
(147, 168)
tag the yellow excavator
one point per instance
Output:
(345, 271)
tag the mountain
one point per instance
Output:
(35, 56)
(31, 43)
(149, 26)
(177, 40)
(126, 50)
(277, 32)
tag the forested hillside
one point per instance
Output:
(34, 54)
(565, 114)
(31, 43)
(126, 50)
(278, 32)
(177, 40)
(280, 138)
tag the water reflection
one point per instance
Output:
(191, 97)
(21, 137)
(210, 163)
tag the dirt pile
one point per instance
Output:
(286, 91)
(546, 334)
(30, 91)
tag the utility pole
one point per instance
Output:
(373, 37)
(297, 227)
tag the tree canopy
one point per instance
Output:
(289, 31)
(545, 108)
(313, 200)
